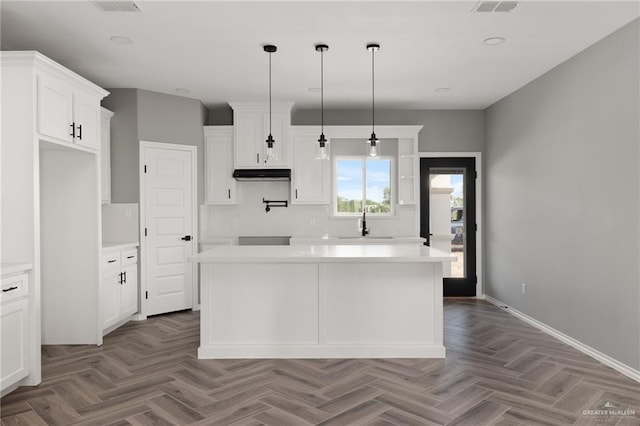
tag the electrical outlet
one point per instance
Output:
(234, 224)
(524, 288)
(312, 223)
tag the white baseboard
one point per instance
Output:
(593, 353)
(321, 351)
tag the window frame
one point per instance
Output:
(364, 159)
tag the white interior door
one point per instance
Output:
(169, 224)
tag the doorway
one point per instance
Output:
(448, 218)
(167, 226)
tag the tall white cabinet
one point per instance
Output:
(310, 180)
(251, 125)
(50, 188)
(220, 186)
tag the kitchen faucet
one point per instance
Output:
(365, 231)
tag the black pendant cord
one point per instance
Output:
(322, 91)
(270, 96)
(373, 91)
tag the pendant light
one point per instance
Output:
(373, 140)
(322, 141)
(269, 48)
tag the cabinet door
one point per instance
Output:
(129, 291)
(86, 116)
(105, 155)
(110, 296)
(248, 136)
(280, 132)
(14, 337)
(310, 183)
(55, 108)
(220, 186)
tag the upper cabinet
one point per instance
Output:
(252, 123)
(68, 112)
(310, 182)
(105, 154)
(220, 186)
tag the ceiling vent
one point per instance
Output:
(495, 6)
(117, 6)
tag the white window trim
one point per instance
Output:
(364, 158)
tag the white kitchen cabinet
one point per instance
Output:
(220, 186)
(14, 330)
(118, 286)
(310, 183)
(67, 112)
(105, 154)
(251, 129)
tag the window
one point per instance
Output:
(363, 184)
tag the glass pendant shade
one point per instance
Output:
(373, 145)
(271, 153)
(322, 150)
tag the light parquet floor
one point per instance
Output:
(498, 371)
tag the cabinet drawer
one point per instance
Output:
(110, 260)
(129, 257)
(14, 287)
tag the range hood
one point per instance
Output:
(262, 174)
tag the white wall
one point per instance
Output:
(562, 197)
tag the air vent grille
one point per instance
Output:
(495, 6)
(117, 6)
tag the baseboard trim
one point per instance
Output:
(588, 350)
(213, 351)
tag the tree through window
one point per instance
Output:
(363, 184)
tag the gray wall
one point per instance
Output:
(150, 116)
(173, 119)
(562, 197)
(124, 144)
(444, 130)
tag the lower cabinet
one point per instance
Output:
(118, 286)
(14, 330)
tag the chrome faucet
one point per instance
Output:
(365, 231)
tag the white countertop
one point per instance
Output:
(219, 240)
(15, 268)
(323, 254)
(369, 239)
(119, 246)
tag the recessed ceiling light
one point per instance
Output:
(121, 40)
(183, 90)
(314, 89)
(494, 41)
(442, 90)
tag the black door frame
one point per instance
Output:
(456, 287)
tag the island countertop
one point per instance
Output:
(323, 254)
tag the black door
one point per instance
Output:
(459, 174)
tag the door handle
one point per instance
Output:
(80, 131)
(186, 238)
(4, 290)
(73, 130)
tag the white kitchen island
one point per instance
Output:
(324, 301)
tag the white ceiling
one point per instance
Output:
(214, 48)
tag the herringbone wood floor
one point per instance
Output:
(498, 371)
